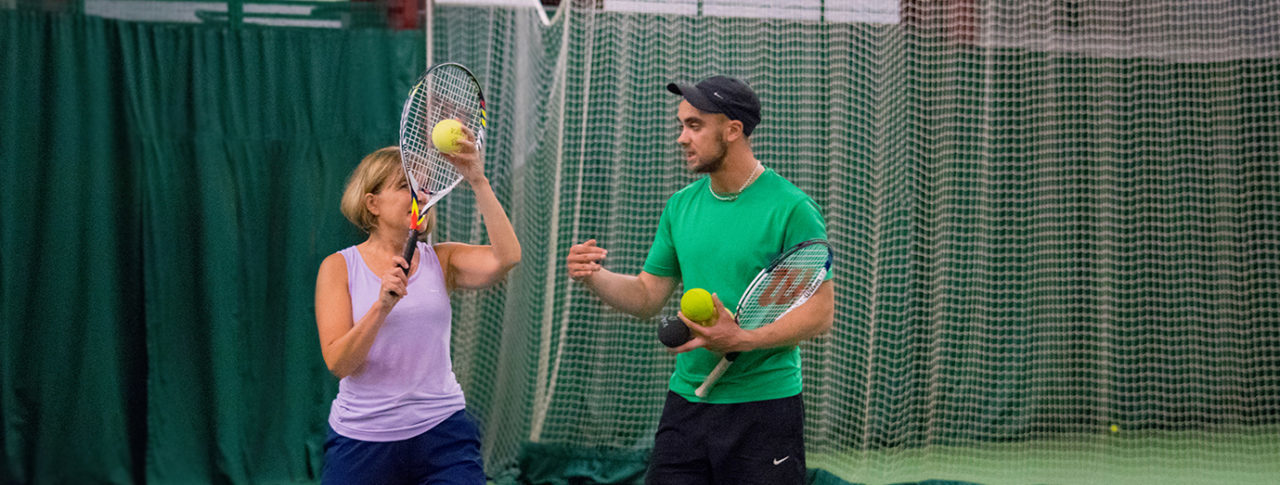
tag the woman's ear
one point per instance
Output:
(371, 203)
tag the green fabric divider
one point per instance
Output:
(817, 476)
(543, 464)
(72, 361)
(169, 192)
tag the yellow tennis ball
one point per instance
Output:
(696, 304)
(1115, 429)
(446, 134)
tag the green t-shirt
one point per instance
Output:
(720, 246)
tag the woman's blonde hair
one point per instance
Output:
(368, 178)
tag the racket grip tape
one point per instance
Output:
(715, 374)
(409, 247)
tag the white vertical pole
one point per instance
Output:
(544, 383)
(428, 27)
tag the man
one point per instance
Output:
(717, 233)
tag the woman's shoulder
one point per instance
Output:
(335, 264)
(338, 256)
(345, 254)
(448, 250)
(445, 249)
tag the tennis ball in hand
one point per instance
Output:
(696, 304)
(673, 332)
(446, 134)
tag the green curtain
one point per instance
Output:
(72, 361)
(169, 192)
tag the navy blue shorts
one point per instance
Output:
(758, 442)
(446, 454)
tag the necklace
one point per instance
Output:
(732, 196)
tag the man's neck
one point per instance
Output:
(739, 167)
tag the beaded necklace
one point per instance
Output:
(732, 196)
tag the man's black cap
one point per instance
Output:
(725, 95)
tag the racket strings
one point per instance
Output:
(795, 278)
(444, 93)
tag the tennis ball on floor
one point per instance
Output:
(696, 304)
(446, 134)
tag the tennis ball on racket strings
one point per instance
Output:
(672, 331)
(446, 134)
(696, 304)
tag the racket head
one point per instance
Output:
(785, 283)
(445, 91)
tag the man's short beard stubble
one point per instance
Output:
(713, 164)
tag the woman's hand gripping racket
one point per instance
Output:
(786, 283)
(444, 105)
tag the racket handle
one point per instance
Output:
(715, 374)
(409, 248)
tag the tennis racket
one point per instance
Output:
(445, 91)
(784, 284)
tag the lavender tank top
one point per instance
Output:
(406, 385)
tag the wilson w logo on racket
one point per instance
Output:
(786, 283)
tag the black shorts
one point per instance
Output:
(747, 443)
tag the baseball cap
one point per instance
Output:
(724, 95)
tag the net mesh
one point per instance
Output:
(1056, 225)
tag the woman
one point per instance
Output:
(399, 416)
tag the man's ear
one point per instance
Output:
(733, 130)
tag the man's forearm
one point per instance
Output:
(627, 293)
